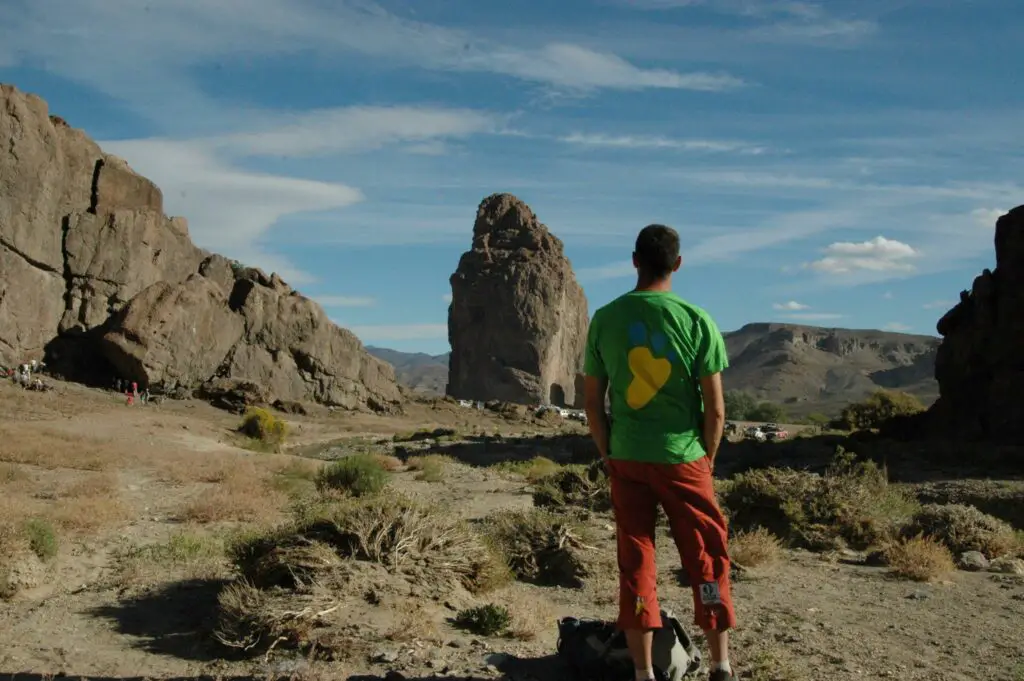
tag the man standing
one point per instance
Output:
(661, 359)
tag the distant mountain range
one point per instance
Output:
(805, 368)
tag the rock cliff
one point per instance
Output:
(96, 280)
(517, 323)
(979, 366)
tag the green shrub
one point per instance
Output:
(41, 537)
(877, 409)
(534, 470)
(358, 475)
(738, 404)
(484, 620)
(767, 412)
(264, 427)
(431, 467)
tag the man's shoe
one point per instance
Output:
(721, 675)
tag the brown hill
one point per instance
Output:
(806, 368)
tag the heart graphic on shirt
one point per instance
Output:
(650, 373)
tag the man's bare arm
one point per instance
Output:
(594, 390)
(714, 414)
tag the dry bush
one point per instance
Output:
(534, 470)
(243, 496)
(530, 619)
(431, 467)
(919, 558)
(577, 486)
(292, 577)
(265, 430)
(88, 515)
(964, 528)
(389, 463)
(539, 547)
(853, 503)
(755, 548)
(415, 624)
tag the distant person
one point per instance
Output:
(661, 359)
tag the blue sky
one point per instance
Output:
(836, 163)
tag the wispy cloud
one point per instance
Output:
(345, 301)
(877, 255)
(791, 305)
(359, 128)
(447, 297)
(400, 332)
(230, 210)
(939, 305)
(887, 295)
(647, 142)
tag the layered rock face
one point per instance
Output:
(91, 269)
(517, 323)
(979, 366)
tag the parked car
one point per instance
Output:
(755, 433)
(774, 431)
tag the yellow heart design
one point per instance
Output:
(650, 374)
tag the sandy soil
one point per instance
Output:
(121, 484)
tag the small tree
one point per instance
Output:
(767, 411)
(879, 408)
(738, 405)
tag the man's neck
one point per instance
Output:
(661, 285)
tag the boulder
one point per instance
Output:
(517, 323)
(978, 363)
(97, 280)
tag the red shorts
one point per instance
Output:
(686, 492)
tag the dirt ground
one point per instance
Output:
(142, 500)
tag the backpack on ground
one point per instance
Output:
(596, 650)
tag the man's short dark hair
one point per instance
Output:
(657, 248)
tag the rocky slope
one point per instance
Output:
(96, 280)
(978, 367)
(418, 371)
(805, 367)
(517, 323)
(811, 368)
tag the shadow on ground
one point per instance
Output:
(173, 620)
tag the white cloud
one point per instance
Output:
(987, 217)
(656, 142)
(791, 305)
(330, 131)
(345, 301)
(877, 255)
(897, 327)
(887, 295)
(228, 209)
(812, 316)
(400, 332)
(939, 305)
(447, 297)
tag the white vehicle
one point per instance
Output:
(755, 433)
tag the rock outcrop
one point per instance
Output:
(517, 323)
(979, 365)
(96, 280)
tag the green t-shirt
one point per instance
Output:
(653, 347)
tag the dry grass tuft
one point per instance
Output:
(431, 467)
(244, 496)
(920, 558)
(755, 548)
(187, 554)
(534, 470)
(389, 463)
(51, 449)
(539, 547)
(964, 528)
(577, 486)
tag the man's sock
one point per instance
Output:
(723, 665)
(645, 675)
